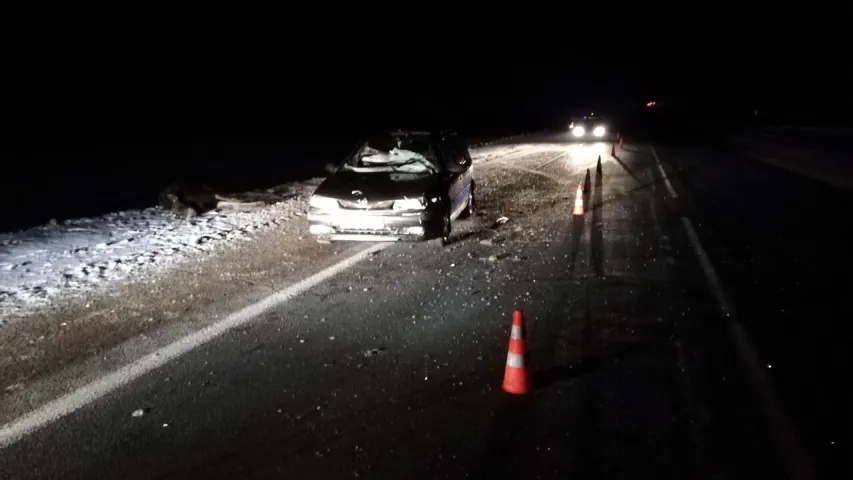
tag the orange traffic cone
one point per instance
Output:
(578, 202)
(618, 136)
(516, 378)
(598, 165)
(621, 144)
(613, 150)
(587, 183)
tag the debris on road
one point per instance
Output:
(372, 352)
(500, 221)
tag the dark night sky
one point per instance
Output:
(104, 104)
(263, 68)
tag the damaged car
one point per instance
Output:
(397, 186)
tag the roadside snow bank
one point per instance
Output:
(77, 256)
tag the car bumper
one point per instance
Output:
(374, 226)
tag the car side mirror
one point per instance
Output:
(331, 168)
(454, 167)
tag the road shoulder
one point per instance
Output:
(55, 352)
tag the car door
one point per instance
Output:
(468, 179)
(454, 182)
(463, 181)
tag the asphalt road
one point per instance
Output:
(392, 369)
(828, 139)
(780, 242)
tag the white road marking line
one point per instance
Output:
(695, 408)
(62, 406)
(672, 192)
(547, 162)
(797, 462)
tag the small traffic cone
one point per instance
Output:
(613, 150)
(578, 202)
(587, 183)
(516, 378)
(598, 165)
(618, 136)
(621, 144)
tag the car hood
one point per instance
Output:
(376, 186)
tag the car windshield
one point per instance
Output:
(395, 153)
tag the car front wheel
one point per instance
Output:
(471, 208)
(443, 238)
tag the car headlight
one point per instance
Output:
(578, 131)
(410, 204)
(599, 131)
(323, 203)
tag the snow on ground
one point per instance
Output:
(63, 259)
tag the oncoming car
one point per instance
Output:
(402, 185)
(589, 126)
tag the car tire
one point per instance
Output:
(471, 208)
(443, 238)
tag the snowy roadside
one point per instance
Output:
(42, 264)
(70, 259)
